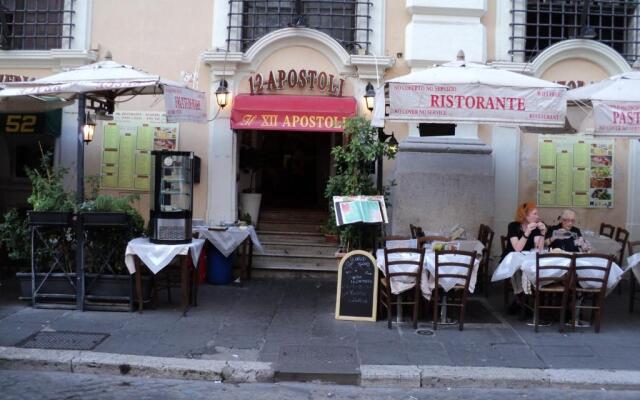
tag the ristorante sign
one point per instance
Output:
(310, 79)
(468, 102)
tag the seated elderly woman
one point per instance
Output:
(565, 236)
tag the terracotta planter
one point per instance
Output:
(331, 238)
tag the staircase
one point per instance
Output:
(293, 244)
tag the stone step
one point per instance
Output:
(287, 226)
(270, 261)
(289, 237)
(281, 215)
(293, 248)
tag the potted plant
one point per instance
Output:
(250, 162)
(51, 204)
(361, 148)
(110, 223)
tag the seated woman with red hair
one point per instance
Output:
(527, 232)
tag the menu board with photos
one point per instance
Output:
(127, 144)
(575, 172)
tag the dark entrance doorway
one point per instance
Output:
(291, 168)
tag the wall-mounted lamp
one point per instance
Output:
(393, 142)
(222, 94)
(88, 129)
(369, 96)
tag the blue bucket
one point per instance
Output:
(219, 267)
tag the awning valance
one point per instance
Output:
(291, 113)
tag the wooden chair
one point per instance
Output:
(504, 240)
(462, 289)
(607, 230)
(634, 247)
(482, 232)
(622, 237)
(416, 231)
(388, 299)
(483, 270)
(551, 286)
(597, 294)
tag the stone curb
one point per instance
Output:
(496, 377)
(134, 365)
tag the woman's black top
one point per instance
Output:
(515, 230)
(564, 244)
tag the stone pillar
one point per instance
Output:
(443, 181)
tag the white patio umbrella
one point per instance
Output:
(463, 92)
(32, 103)
(103, 82)
(610, 107)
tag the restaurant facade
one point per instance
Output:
(295, 70)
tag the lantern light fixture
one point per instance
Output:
(369, 96)
(88, 129)
(222, 94)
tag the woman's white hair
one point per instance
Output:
(566, 213)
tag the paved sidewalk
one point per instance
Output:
(256, 321)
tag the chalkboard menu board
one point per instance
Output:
(357, 292)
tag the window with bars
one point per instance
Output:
(539, 24)
(347, 21)
(36, 24)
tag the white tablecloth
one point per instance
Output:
(229, 240)
(525, 261)
(427, 280)
(603, 245)
(634, 265)
(158, 256)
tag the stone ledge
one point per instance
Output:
(445, 145)
(135, 365)
(390, 375)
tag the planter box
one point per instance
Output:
(50, 218)
(104, 291)
(57, 287)
(113, 288)
(104, 219)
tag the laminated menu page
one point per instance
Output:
(363, 209)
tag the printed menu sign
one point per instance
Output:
(574, 172)
(127, 144)
(365, 209)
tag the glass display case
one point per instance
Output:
(172, 201)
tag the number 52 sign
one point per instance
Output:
(32, 123)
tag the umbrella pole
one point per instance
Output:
(79, 200)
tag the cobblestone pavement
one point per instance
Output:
(255, 321)
(27, 385)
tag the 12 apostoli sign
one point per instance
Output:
(473, 103)
(292, 79)
(616, 118)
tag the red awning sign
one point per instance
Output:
(291, 113)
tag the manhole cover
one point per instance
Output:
(64, 340)
(424, 332)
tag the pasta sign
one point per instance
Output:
(616, 118)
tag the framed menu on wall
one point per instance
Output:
(127, 144)
(575, 172)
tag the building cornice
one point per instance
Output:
(371, 67)
(56, 59)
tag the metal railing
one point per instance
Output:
(538, 24)
(36, 24)
(347, 21)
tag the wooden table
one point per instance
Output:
(156, 257)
